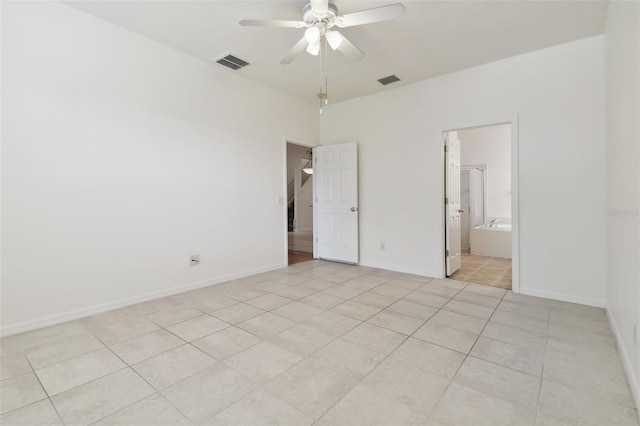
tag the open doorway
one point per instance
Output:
(479, 204)
(299, 203)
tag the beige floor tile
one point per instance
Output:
(268, 302)
(541, 312)
(63, 349)
(485, 291)
(425, 298)
(604, 381)
(365, 283)
(296, 293)
(413, 278)
(498, 381)
(322, 301)
(197, 327)
(333, 323)
(438, 290)
(375, 338)
(412, 309)
(40, 413)
(213, 302)
(516, 336)
(348, 355)
(429, 357)
(20, 391)
(263, 362)
(578, 333)
(76, 371)
(170, 317)
(458, 321)
(155, 305)
(313, 386)
(266, 325)
(392, 290)
(172, 366)
(363, 406)
(205, 394)
(397, 322)
(529, 300)
(374, 299)
(261, 408)
(343, 292)
(13, 364)
(95, 400)
(356, 310)
(146, 346)
(111, 333)
(303, 339)
(226, 343)
(477, 299)
(242, 294)
(470, 309)
(560, 405)
(520, 320)
(296, 311)
(406, 384)
(448, 337)
(237, 313)
(151, 411)
(315, 285)
(508, 355)
(461, 405)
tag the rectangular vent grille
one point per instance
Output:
(388, 80)
(232, 62)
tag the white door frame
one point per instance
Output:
(515, 215)
(285, 141)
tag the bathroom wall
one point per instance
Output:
(491, 146)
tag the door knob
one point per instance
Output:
(354, 209)
(460, 210)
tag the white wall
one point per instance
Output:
(622, 46)
(558, 94)
(121, 158)
(491, 146)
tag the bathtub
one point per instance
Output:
(491, 241)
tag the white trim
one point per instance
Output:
(563, 297)
(96, 309)
(515, 213)
(632, 381)
(401, 269)
(285, 141)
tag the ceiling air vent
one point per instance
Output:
(388, 79)
(232, 62)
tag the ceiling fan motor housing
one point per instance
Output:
(311, 17)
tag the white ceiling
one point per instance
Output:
(432, 38)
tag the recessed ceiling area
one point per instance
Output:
(432, 38)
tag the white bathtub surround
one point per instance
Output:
(494, 241)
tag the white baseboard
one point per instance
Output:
(96, 309)
(403, 270)
(626, 361)
(598, 303)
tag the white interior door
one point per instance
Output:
(452, 203)
(335, 171)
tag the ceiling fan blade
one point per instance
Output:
(297, 49)
(349, 50)
(272, 23)
(384, 13)
(320, 6)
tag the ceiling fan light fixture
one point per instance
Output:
(334, 39)
(312, 34)
(313, 48)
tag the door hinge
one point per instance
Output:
(446, 253)
(446, 148)
(446, 200)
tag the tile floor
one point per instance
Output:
(324, 344)
(485, 270)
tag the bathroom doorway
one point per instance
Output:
(479, 204)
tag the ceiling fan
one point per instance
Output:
(319, 17)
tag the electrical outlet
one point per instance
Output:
(383, 245)
(195, 260)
